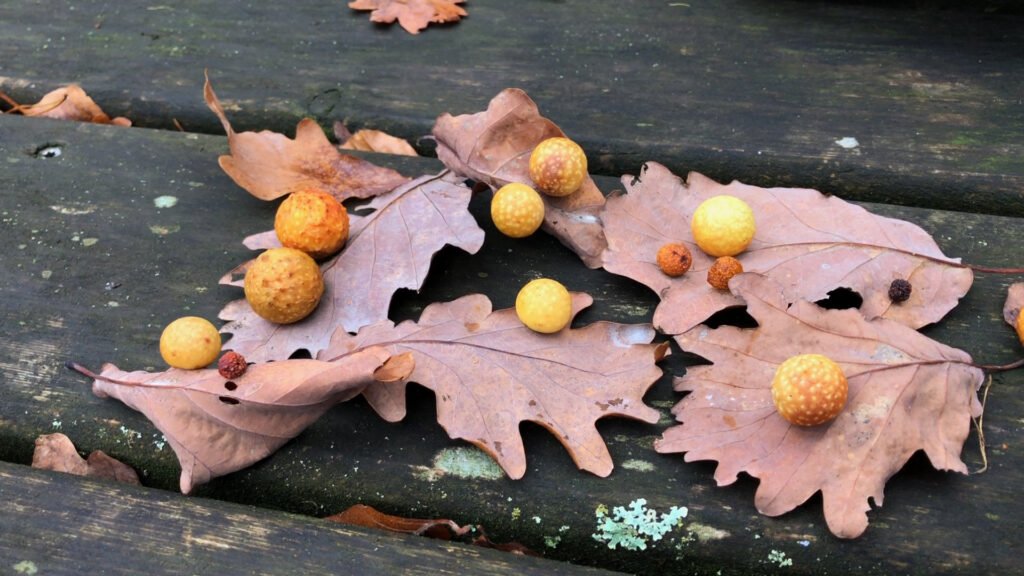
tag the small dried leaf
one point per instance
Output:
(412, 15)
(811, 243)
(70, 103)
(906, 393)
(372, 141)
(1014, 303)
(494, 147)
(217, 426)
(57, 452)
(490, 373)
(269, 165)
(388, 249)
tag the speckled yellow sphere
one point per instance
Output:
(558, 166)
(544, 305)
(312, 221)
(809, 389)
(283, 285)
(517, 210)
(190, 342)
(723, 226)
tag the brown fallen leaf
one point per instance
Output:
(811, 243)
(269, 165)
(438, 528)
(1014, 303)
(388, 249)
(57, 452)
(490, 373)
(494, 147)
(412, 15)
(69, 103)
(906, 393)
(217, 426)
(372, 141)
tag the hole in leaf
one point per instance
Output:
(230, 385)
(301, 354)
(733, 316)
(47, 151)
(228, 400)
(841, 299)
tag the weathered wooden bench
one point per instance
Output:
(759, 92)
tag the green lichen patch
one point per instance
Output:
(635, 526)
(638, 465)
(705, 533)
(464, 462)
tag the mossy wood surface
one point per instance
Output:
(760, 91)
(102, 528)
(93, 270)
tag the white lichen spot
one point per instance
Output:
(779, 558)
(804, 543)
(848, 142)
(705, 533)
(536, 520)
(165, 201)
(89, 241)
(56, 424)
(516, 513)
(160, 230)
(27, 567)
(635, 526)
(46, 274)
(112, 304)
(72, 210)
(638, 465)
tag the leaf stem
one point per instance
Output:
(993, 270)
(1000, 367)
(981, 431)
(75, 366)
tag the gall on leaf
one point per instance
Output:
(811, 243)
(218, 426)
(388, 249)
(490, 373)
(494, 147)
(269, 165)
(1014, 304)
(57, 452)
(906, 393)
(412, 15)
(69, 103)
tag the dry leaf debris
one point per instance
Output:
(57, 452)
(810, 243)
(69, 103)
(412, 15)
(906, 393)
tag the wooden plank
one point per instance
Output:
(759, 92)
(58, 302)
(106, 528)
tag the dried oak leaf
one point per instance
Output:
(1014, 303)
(57, 452)
(388, 249)
(70, 103)
(217, 426)
(372, 141)
(412, 15)
(489, 373)
(811, 243)
(494, 147)
(907, 393)
(439, 528)
(270, 165)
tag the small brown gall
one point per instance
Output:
(674, 259)
(722, 270)
(231, 365)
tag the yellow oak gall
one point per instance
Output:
(558, 166)
(809, 389)
(312, 221)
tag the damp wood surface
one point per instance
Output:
(93, 270)
(910, 102)
(116, 529)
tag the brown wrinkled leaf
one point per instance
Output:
(372, 141)
(217, 426)
(811, 243)
(907, 393)
(440, 528)
(490, 373)
(57, 452)
(270, 165)
(494, 147)
(412, 15)
(1014, 302)
(69, 103)
(388, 249)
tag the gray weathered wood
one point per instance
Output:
(95, 527)
(66, 297)
(756, 91)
